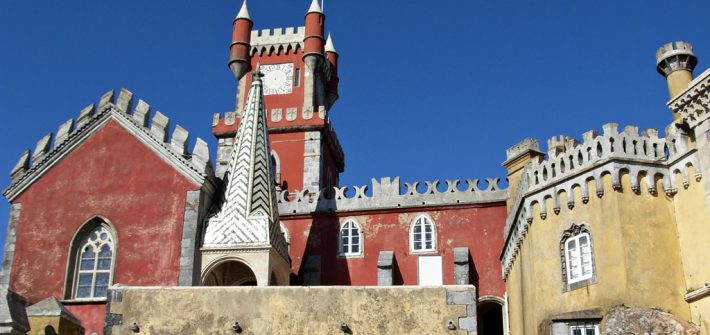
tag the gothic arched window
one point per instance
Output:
(422, 236)
(93, 255)
(577, 255)
(350, 239)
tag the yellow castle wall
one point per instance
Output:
(636, 256)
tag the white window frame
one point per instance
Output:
(361, 245)
(583, 327)
(83, 241)
(422, 220)
(579, 258)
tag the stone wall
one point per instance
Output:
(288, 310)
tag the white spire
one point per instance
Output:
(249, 214)
(244, 12)
(315, 7)
(329, 47)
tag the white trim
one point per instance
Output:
(423, 248)
(361, 245)
(579, 258)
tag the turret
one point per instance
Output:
(314, 41)
(332, 86)
(239, 58)
(313, 49)
(676, 61)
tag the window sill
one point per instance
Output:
(94, 301)
(349, 256)
(579, 284)
(424, 252)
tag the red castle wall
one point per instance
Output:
(480, 228)
(115, 176)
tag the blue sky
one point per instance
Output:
(429, 89)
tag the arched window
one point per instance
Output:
(350, 239)
(577, 257)
(422, 236)
(93, 254)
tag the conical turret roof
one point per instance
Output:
(243, 12)
(329, 47)
(315, 7)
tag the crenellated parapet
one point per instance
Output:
(270, 40)
(390, 193)
(152, 131)
(572, 166)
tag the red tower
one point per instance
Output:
(300, 87)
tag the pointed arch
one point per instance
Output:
(92, 259)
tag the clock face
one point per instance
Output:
(278, 78)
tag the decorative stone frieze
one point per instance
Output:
(388, 193)
(692, 105)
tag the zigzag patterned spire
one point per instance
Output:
(249, 214)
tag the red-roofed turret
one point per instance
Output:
(239, 51)
(332, 86)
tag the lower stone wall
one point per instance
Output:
(292, 310)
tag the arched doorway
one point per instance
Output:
(230, 273)
(490, 316)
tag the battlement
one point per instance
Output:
(74, 131)
(389, 193)
(567, 156)
(273, 39)
(675, 56)
(672, 49)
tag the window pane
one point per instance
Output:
(87, 265)
(102, 278)
(590, 331)
(429, 245)
(576, 331)
(417, 245)
(344, 249)
(417, 237)
(105, 251)
(88, 253)
(356, 249)
(427, 228)
(83, 292)
(356, 239)
(417, 228)
(104, 264)
(344, 233)
(100, 291)
(85, 279)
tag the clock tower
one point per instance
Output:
(300, 86)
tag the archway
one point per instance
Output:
(230, 273)
(490, 317)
